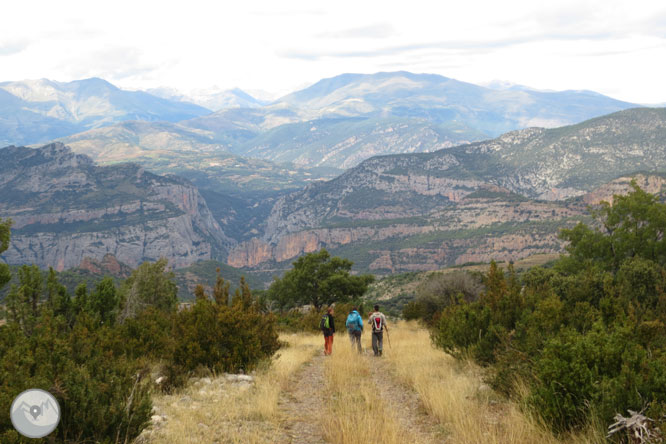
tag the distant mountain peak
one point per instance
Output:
(36, 111)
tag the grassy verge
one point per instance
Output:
(453, 392)
(217, 410)
(356, 413)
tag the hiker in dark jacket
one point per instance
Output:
(328, 328)
(354, 326)
(378, 322)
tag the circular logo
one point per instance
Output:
(35, 413)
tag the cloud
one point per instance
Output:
(620, 52)
(452, 46)
(287, 13)
(655, 25)
(13, 47)
(376, 31)
(112, 64)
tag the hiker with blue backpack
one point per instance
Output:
(327, 326)
(378, 322)
(354, 326)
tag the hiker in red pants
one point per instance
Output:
(327, 326)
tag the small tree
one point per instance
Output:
(318, 279)
(635, 225)
(5, 275)
(23, 300)
(441, 290)
(150, 285)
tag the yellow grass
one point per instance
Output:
(453, 392)
(224, 412)
(355, 413)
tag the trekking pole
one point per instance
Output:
(388, 337)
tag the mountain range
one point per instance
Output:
(504, 198)
(35, 111)
(331, 126)
(396, 171)
(499, 198)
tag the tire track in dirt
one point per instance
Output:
(302, 405)
(405, 403)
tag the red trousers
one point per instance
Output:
(328, 345)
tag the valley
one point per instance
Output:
(344, 222)
(395, 171)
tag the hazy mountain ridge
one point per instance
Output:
(341, 121)
(34, 111)
(213, 99)
(65, 208)
(345, 142)
(440, 99)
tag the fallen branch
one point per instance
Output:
(639, 428)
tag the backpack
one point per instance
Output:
(377, 324)
(324, 323)
(352, 322)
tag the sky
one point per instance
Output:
(270, 48)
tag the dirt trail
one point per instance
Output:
(303, 407)
(422, 428)
(301, 402)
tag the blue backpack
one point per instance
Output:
(354, 322)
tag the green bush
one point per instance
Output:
(413, 310)
(297, 320)
(100, 393)
(93, 352)
(224, 338)
(587, 337)
(440, 290)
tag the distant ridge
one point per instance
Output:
(213, 99)
(34, 111)
(441, 99)
(335, 124)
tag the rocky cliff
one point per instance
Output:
(505, 198)
(65, 208)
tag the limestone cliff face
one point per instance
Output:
(65, 209)
(108, 265)
(650, 183)
(473, 229)
(174, 238)
(518, 188)
(256, 251)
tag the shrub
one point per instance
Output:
(223, 338)
(588, 337)
(441, 290)
(96, 362)
(100, 393)
(413, 310)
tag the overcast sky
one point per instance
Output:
(617, 48)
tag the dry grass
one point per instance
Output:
(224, 412)
(218, 411)
(356, 414)
(453, 393)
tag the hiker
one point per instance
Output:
(327, 326)
(378, 322)
(354, 326)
